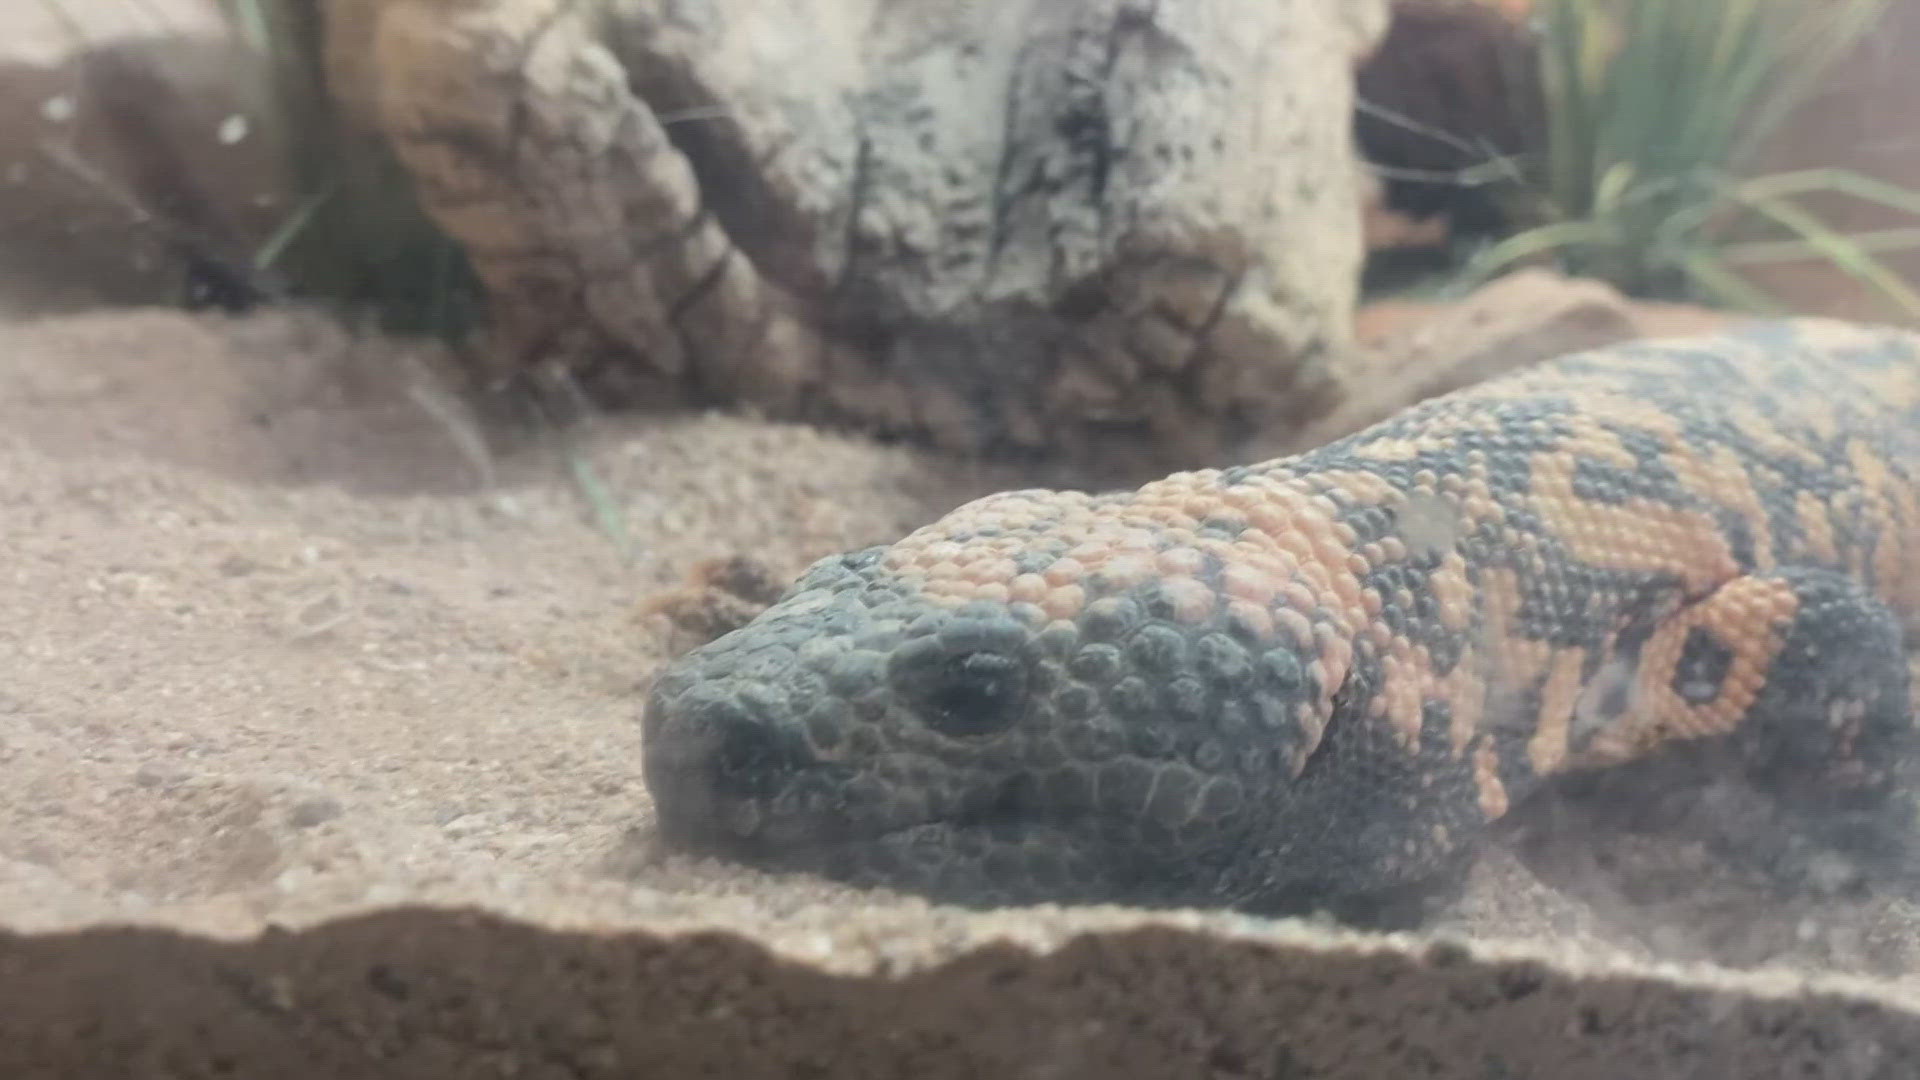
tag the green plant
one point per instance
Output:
(357, 234)
(1657, 112)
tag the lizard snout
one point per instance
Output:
(714, 765)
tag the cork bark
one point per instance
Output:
(1062, 225)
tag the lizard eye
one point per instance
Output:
(969, 694)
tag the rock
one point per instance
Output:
(1522, 318)
(1081, 226)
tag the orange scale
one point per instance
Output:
(1273, 520)
(1327, 547)
(995, 592)
(1181, 561)
(1262, 563)
(1037, 517)
(1031, 614)
(1203, 505)
(1245, 582)
(1295, 623)
(1297, 544)
(1171, 517)
(1216, 546)
(999, 569)
(1065, 602)
(1028, 588)
(1193, 602)
(1125, 571)
(1087, 551)
(1315, 576)
(1314, 522)
(1251, 542)
(1298, 597)
(1286, 562)
(1064, 570)
(1253, 616)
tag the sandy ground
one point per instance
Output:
(282, 643)
(268, 638)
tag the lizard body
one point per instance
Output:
(1315, 681)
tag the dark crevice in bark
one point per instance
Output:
(1009, 152)
(705, 284)
(1212, 319)
(858, 190)
(734, 179)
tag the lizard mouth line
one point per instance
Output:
(1008, 818)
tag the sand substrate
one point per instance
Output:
(319, 758)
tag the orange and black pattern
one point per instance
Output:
(1315, 680)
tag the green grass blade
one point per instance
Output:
(1715, 280)
(1654, 112)
(1849, 257)
(254, 26)
(1777, 251)
(1845, 181)
(1559, 236)
(290, 229)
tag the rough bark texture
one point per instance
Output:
(1024, 224)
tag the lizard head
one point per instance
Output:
(1044, 697)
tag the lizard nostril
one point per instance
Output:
(711, 745)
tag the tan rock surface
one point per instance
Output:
(1409, 350)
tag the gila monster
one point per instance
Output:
(1313, 683)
